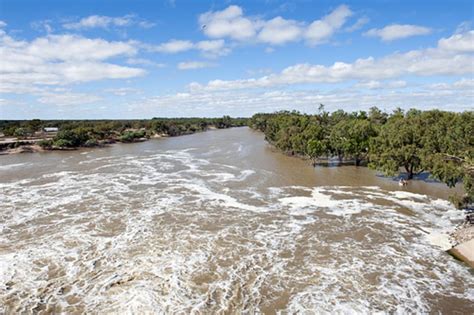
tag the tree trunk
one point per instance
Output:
(410, 172)
(357, 161)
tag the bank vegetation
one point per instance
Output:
(403, 143)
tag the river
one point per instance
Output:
(219, 222)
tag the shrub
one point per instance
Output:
(91, 143)
(63, 143)
(45, 143)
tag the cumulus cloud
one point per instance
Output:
(279, 31)
(67, 98)
(229, 22)
(425, 62)
(101, 21)
(459, 42)
(398, 31)
(191, 65)
(144, 62)
(321, 30)
(232, 23)
(174, 46)
(212, 48)
(376, 85)
(122, 91)
(42, 26)
(60, 60)
(358, 24)
(209, 48)
(248, 102)
(463, 84)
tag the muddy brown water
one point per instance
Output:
(218, 222)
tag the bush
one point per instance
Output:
(20, 132)
(73, 138)
(45, 143)
(91, 143)
(459, 202)
(63, 143)
(130, 136)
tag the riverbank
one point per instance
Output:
(463, 239)
(35, 145)
(25, 148)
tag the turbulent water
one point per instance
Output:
(218, 222)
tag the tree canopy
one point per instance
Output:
(410, 142)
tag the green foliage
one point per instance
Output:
(63, 143)
(130, 136)
(34, 125)
(441, 143)
(71, 138)
(399, 144)
(20, 132)
(46, 144)
(350, 138)
(315, 149)
(91, 143)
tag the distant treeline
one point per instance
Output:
(78, 133)
(438, 142)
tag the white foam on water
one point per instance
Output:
(12, 166)
(171, 232)
(323, 197)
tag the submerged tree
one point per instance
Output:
(399, 144)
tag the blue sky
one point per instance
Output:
(143, 59)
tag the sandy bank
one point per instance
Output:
(463, 239)
(29, 148)
(463, 233)
(464, 252)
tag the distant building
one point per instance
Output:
(50, 129)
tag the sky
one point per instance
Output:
(116, 59)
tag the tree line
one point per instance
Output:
(411, 142)
(89, 133)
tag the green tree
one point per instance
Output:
(399, 144)
(21, 133)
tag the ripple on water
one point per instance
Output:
(173, 232)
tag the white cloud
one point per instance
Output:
(100, 21)
(464, 27)
(426, 62)
(60, 60)
(375, 85)
(72, 47)
(42, 26)
(144, 62)
(459, 42)
(208, 48)
(174, 46)
(67, 98)
(122, 91)
(2, 24)
(248, 102)
(463, 84)
(279, 31)
(397, 31)
(358, 24)
(191, 65)
(212, 48)
(321, 30)
(231, 23)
